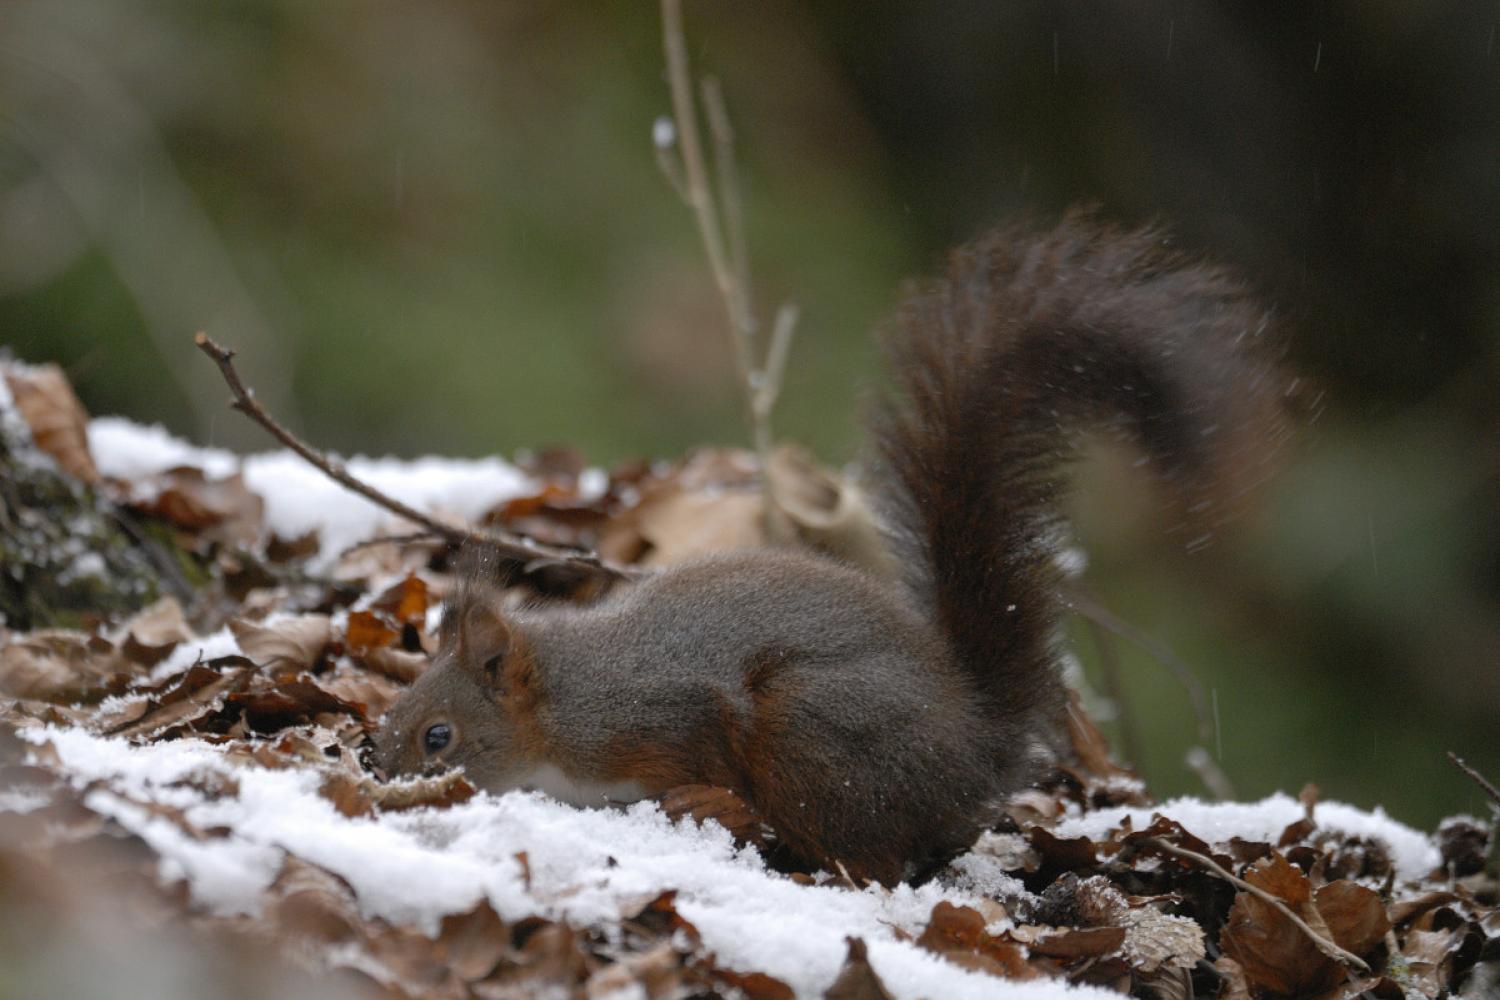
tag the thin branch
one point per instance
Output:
(1085, 604)
(1323, 944)
(769, 389)
(407, 539)
(1109, 660)
(1476, 777)
(730, 266)
(511, 547)
(731, 203)
(699, 195)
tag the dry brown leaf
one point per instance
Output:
(828, 511)
(366, 631)
(371, 689)
(152, 633)
(396, 664)
(285, 550)
(57, 420)
(1429, 958)
(1409, 909)
(857, 979)
(406, 602)
(957, 933)
(1235, 984)
(1068, 855)
(1353, 915)
(474, 942)
(1275, 954)
(59, 665)
(197, 692)
(288, 644)
(311, 903)
(672, 524)
(711, 802)
(219, 510)
(1087, 942)
(290, 702)
(440, 791)
(658, 970)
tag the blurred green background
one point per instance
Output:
(439, 227)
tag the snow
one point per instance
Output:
(1412, 852)
(585, 865)
(300, 498)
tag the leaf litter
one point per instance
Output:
(204, 767)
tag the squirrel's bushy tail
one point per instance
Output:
(1028, 339)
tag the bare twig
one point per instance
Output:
(731, 204)
(1476, 777)
(1109, 660)
(760, 379)
(1323, 944)
(509, 547)
(407, 539)
(695, 173)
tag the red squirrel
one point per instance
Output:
(876, 723)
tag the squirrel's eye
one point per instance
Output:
(436, 737)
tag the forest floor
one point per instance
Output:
(186, 806)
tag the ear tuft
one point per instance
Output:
(483, 636)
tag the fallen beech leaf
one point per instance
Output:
(371, 689)
(154, 632)
(1088, 942)
(59, 665)
(351, 796)
(676, 524)
(828, 511)
(1068, 855)
(406, 602)
(1275, 954)
(286, 644)
(439, 791)
(285, 550)
(198, 692)
(1429, 958)
(288, 703)
(857, 979)
(710, 802)
(57, 420)
(474, 942)
(219, 510)
(313, 903)
(397, 664)
(1409, 909)
(756, 985)
(957, 933)
(366, 631)
(1354, 916)
(1234, 986)
(658, 971)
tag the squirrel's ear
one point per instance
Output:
(483, 638)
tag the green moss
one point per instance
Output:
(65, 561)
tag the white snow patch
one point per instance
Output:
(300, 498)
(586, 866)
(1412, 852)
